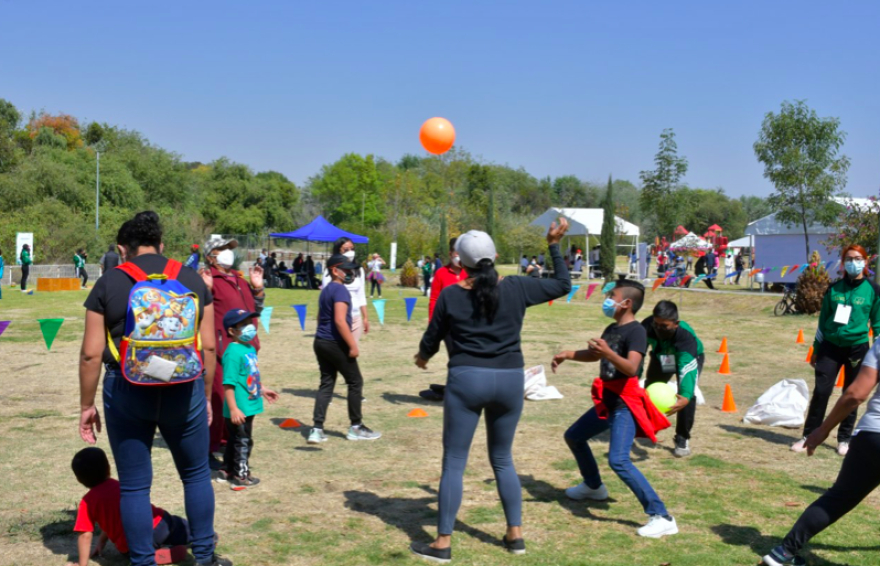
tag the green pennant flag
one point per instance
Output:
(50, 327)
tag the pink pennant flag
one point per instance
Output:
(4, 324)
(590, 289)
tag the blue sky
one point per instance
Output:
(558, 88)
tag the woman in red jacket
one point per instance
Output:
(231, 291)
(450, 274)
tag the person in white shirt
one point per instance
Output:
(728, 268)
(376, 278)
(360, 324)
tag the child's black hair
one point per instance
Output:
(632, 290)
(90, 466)
(666, 310)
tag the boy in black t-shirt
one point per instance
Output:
(621, 406)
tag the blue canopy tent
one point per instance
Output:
(320, 230)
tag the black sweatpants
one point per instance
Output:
(333, 359)
(859, 475)
(25, 271)
(239, 447)
(828, 362)
(684, 419)
(83, 274)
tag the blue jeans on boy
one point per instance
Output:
(132, 414)
(623, 432)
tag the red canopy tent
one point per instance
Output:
(681, 230)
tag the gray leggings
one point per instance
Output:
(470, 390)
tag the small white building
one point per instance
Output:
(777, 244)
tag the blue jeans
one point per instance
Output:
(623, 432)
(470, 391)
(132, 413)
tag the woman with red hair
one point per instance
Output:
(850, 306)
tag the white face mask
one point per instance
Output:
(225, 259)
(349, 254)
(456, 260)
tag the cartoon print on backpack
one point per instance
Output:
(145, 323)
(171, 326)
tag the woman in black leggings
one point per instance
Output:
(860, 473)
(482, 317)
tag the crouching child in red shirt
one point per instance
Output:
(100, 507)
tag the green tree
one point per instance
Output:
(94, 133)
(660, 185)
(800, 154)
(754, 207)
(349, 189)
(608, 239)
(570, 192)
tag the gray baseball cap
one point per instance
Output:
(217, 243)
(475, 246)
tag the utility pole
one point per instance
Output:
(97, 190)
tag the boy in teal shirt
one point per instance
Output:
(243, 398)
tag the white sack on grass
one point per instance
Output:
(784, 405)
(536, 388)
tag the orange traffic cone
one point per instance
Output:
(840, 377)
(725, 365)
(290, 423)
(809, 355)
(800, 338)
(417, 413)
(871, 333)
(551, 303)
(729, 405)
(723, 348)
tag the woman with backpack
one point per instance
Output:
(150, 383)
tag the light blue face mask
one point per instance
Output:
(853, 268)
(248, 333)
(609, 307)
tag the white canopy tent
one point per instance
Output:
(744, 242)
(587, 222)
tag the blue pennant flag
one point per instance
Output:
(301, 312)
(410, 306)
(574, 290)
(266, 317)
(379, 305)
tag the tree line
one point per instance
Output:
(48, 177)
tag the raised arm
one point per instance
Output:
(539, 291)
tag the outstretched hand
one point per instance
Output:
(557, 231)
(420, 361)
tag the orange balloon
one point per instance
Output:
(437, 135)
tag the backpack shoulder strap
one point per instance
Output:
(172, 269)
(132, 271)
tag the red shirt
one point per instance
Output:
(649, 419)
(231, 291)
(101, 506)
(443, 277)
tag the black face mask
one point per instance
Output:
(664, 333)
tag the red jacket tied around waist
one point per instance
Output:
(649, 419)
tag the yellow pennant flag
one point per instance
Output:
(784, 269)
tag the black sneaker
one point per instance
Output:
(221, 476)
(781, 557)
(237, 484)
(214, 463)
(439, 555)
(516, 546)
(216, 561)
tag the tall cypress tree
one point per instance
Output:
(608, 239)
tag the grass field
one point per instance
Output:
(352, 504)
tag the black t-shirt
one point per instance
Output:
(109, 296)
(630, 337)
(471, 339)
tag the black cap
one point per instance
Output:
(339, 261)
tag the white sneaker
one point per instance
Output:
(317, 436)
(582, 491)
(799, 445)
(842, 447)
(658, 526)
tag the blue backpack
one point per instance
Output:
(160, 344)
